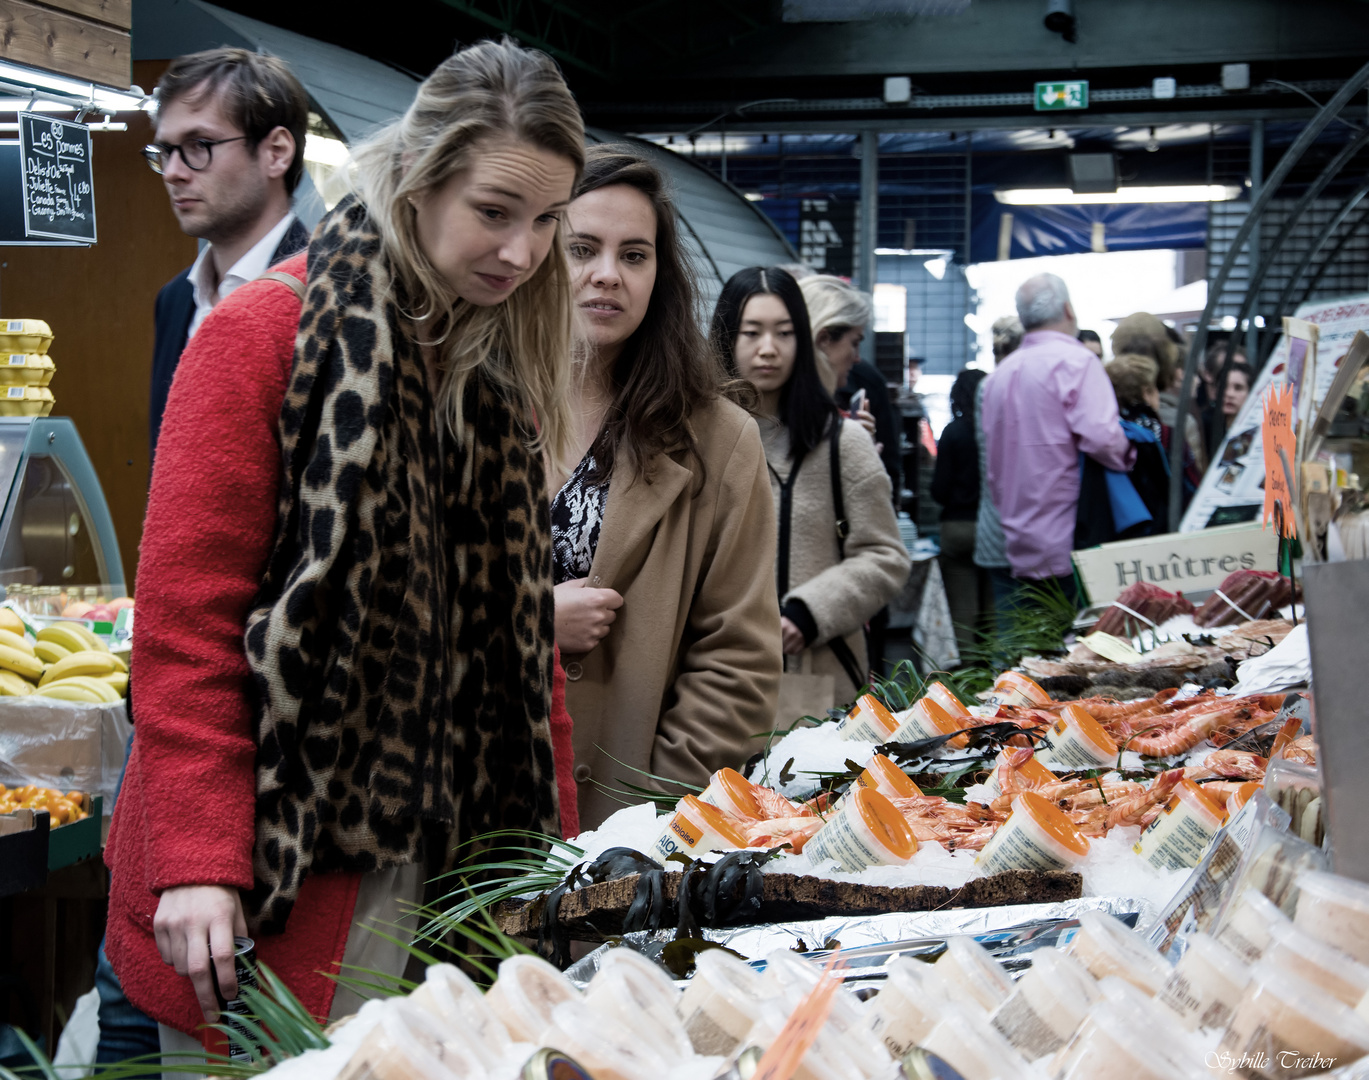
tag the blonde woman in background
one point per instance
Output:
(841, 316)
(367, 683)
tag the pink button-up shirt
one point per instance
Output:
(1047, 402)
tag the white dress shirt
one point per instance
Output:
(250, 267)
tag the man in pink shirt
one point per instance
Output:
(1046, 403)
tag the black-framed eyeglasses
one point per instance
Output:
(196, 153)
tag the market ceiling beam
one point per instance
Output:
(556, 28)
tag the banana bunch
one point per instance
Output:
(68, 663)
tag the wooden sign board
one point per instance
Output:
(58, 184)
(1189, 563)
(87, 39)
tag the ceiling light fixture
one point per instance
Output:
(18, 75)
(1176, 193)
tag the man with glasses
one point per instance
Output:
(230, 149)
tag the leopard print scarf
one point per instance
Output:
(401, 647)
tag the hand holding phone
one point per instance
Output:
(857, 402)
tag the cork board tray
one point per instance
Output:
(599, 909)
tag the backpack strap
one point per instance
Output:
(286, 279)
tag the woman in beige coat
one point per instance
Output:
(836, 565)
(663, 536)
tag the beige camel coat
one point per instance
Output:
(841, 594)
(689, 671)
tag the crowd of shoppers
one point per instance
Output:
(486, 525)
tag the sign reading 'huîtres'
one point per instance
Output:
(1179, 562)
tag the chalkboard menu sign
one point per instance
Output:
(59, 190)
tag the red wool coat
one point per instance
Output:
(186, 811)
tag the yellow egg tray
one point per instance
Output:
(26, 369)
(26, 401)
(24, 336)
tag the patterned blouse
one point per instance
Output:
(577, 514)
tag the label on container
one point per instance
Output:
(1066, 746)
(680, 834)
(14, 326)
(708, 1037)
(19, 359)
(842, 841)
(1176, 839)
(16, 392)
(1013, 848)
(1024, 1027)
(863, 727)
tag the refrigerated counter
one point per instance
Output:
(55, 530)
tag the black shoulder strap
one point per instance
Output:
(838, 502)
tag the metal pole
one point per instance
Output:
(1315, 127)
(722, 131)
(869, 225)
(969, 190)
(1252, 340)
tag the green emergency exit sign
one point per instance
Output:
(1062, 95)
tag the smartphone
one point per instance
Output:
(857, 402)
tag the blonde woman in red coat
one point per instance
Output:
(218, 831)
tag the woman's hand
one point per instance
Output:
(866, 419)
(584, 615)
(791, 637)
(195, 926)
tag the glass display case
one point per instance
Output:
(55, 530)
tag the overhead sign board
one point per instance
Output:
(1072, 94)
(1189, 563)
(55, 171)
(827, 235)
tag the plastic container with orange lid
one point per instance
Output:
(938, 692)
(733, 794)
(1036, 836)
(695, 828)
(1177, 838)
(1014, 688)
(1032, 773)
(1078, 741)
(868, 721)
(1241, 796)
(865, 830)
(888, 779)
(926, 720)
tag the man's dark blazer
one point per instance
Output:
(175, 309)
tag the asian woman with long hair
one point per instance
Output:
(839, 558)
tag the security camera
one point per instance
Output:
(1060, 19)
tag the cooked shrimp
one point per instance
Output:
(1236, 763)
(794, 831)
(1189, 727)
(1303, 749)
(773, 805)
(1130, 810)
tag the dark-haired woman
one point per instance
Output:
(955, 487)
(662, 535)
(834, 569)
